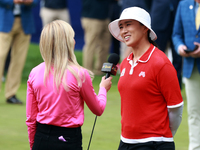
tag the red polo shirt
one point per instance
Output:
(147, 89)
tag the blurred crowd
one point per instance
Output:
(97, 15)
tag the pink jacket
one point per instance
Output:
(64, 108)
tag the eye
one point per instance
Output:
(128, 24)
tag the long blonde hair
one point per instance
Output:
(57, 50)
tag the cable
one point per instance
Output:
(92, 133)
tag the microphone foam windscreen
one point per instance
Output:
(113, 58)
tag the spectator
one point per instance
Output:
(57, 90)
(95, 20)
(16, 27)
(186, 35)
(145, 4)
(54, 9)
(6, 66)
(115, 11)
(166, 9)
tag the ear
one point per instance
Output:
(145, 29)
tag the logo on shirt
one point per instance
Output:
(123, 72)
(142, 74)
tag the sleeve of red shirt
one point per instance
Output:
(169, 86)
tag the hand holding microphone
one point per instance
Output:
(106, 83)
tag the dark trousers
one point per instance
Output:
(47, 138)
(147, 146)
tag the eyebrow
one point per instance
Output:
(125, 22)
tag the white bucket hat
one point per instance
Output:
(135, 13)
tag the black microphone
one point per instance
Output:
(110, 68)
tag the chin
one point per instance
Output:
(130, 44)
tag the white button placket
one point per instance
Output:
(132, 66)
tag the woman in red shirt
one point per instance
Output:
(151, 101)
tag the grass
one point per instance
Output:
(106, 136)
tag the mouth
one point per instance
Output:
(126, 38)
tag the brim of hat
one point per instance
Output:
(115, 31)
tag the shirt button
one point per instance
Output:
(196, 36)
